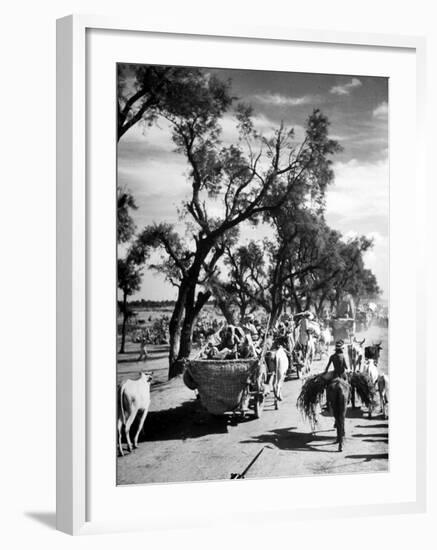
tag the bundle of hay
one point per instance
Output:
(364, 388)
(310, 395)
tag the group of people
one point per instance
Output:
(246, 340)
(236, 342)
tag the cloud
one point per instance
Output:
(230, 135)
(381, 111)
(158, 135)
(262, 124)
(361, 189)
(345, 89)
(358, 204)
(282, 100)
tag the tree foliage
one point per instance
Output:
(146, 91)
(125, 223)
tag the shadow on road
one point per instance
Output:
(350, 413)
(186, 421)
(370, 435)
(357, 413)
(368, 457)
(128, 357)
(286, 439)
(372, 426)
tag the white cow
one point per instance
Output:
(356, 354)
(326, 339)
(383, 391)
(371, 370)
(277, 363)
(133, 397)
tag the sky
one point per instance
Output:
(357, 201)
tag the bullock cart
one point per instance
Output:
(343, 328)
(231, 385)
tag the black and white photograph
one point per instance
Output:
(252, 274)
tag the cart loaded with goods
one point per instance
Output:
(230, 385)
(343, 328)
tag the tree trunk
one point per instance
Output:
(276, 312)
(175, 339)
(276, 290)
(225, 309)
(319, 309)
(123, 326)
(174, 328)
(293, 293)
(185, 313)
(192, 310)
(242, 312)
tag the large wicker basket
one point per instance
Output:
(220, 383)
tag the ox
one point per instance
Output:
(371, 370)
(277, 363)
(326, 338)
(383, 391)
(373, 352)
(133, 397)
(355, 354)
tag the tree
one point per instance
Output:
(355, 279)
(306, 265)
(244, 288)
(129, 281)
(249, 179)
(145, 91)
(128, 270)
(336, 269)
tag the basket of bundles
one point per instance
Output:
(220, 383)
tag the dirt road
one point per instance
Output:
(181, 443)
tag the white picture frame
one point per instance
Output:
(73, 342)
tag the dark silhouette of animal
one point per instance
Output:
(337, 395)
(373, 352)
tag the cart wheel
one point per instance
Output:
(259, 406)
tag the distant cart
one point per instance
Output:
(343, 328)
(235, 385)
